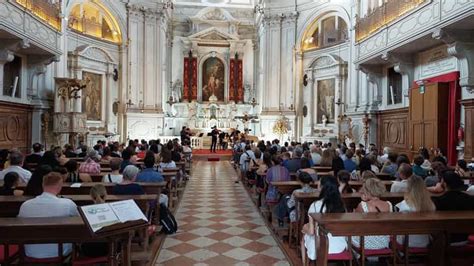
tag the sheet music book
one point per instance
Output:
(99, 216)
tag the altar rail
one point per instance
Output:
(196, 142)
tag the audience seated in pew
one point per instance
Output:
(35, 185)
(305, 166)
(114, 176)
(417, 199)
(49, 158)
(330, 202)
(126, 159)
(149, 173)
(128, 185)
(371, 191)
(106, 155)
(326, 158)
(349, 164)
(16, 162)
(91, 164)
(275, 173)
(48, 204)
(343, 178)
(405, 172)
(35, 157)
(390, 166)
(73, 175)
(417, 169)
(454, 199)
(294, 164)
(10, 182)
(306, 180)
(364, 166)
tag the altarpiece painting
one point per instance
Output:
(213, 73)
(326, 96)
(92, 96)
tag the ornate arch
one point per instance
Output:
(321, 13)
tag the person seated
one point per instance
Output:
(275, 173)
(166, 161)
(126, 158)
(433, 181)
(417, 199)
(337, 163)
(73, 175)
(35, 185)
(16, 162)
(69, 151)
(305, 180)
(48, 204)
(149, 174)
(58, 152)
(417, 169)
(128, 185)
(365, 165)
(454, 199)
(142, 152)
(294, 164)
(343, 178)
(426, 159)
(10, 182)
(306, 168)
(405, 172)
(82, 151)
(98, 195)
(285, 158)
(384, 158)
(330, 202)
(461, 168)
(349, 164)
(91, 164)
(114, 176)
(316, 154)
(106, 155)
(390, 166)
(35, 157)
(372, 190)
(374, 166)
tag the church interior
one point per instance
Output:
(236, 132)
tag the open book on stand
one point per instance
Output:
(112, 216)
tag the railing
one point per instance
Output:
(381, 16)
(46, 10)
(91, 27)
(196, 142)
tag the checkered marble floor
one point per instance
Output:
(219, 224)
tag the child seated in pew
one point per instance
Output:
(10, 182)
(306, 181)
(372, 190)
(417, 199)
(330, 202)
(98, 195)
(114, 176)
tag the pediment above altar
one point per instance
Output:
(213, 14)
(213, 34)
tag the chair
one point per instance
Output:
(365, 253)
(8, 253)
(406, 250)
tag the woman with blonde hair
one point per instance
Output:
(417, 199)
(98, 194)
(372, 190)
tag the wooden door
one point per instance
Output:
(416, 121)
(430, 116)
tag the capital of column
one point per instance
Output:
(6, 56)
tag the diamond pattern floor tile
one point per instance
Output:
(219, 224)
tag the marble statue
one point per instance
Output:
(192, 110)
(247, 93)
(177, 90)
(325, 120)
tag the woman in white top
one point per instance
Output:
(371, 191)
(114, 176)
(417, 199)
(330, 202)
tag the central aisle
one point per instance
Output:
(219, 224)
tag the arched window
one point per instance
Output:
(93, 19)
(324, 32)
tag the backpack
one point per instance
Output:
(167, 220)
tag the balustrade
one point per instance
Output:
(47, 10)
(384, 14)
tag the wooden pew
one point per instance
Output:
(84, 189)
(10, 205)
(322, 168)
(98, 177)
(61, 230)
(439, 224)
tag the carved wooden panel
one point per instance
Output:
(15, 126)
(392, 129)
(468, 129)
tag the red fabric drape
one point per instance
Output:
(186, 79)
(232, 80)
(194, 92)
(454, 110)
(236, 94)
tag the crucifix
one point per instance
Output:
(129, 103)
